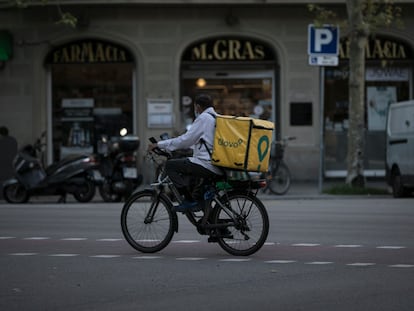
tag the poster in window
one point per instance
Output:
(160, 113)
(378, 100)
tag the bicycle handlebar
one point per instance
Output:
(158, 150)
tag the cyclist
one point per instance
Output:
(183, 172)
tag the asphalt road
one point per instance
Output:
(321, 254)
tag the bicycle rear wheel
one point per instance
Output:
(279, 181)
(147, 221)
(252, 228)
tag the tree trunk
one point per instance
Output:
(356, 132)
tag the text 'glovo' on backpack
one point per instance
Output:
(242, 143)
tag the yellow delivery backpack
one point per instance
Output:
(242, 143)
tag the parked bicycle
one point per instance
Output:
(278, 175)
(230, 214)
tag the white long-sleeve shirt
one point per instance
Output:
(203, 127)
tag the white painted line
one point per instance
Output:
(391, 247)
(105, 256)
(147, 257)
(280, 261)
(306, 244)
(108, 240)
(348, 245)
(361, 264)
(23, 254)
(37, 238)
(74, 239)
(270, 243)
(235, 260)
(191, 258)
(319, 263)
(63, 255)
(186, 241)
(401, 266)
(6, 237)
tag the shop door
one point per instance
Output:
(89, 102)
(241, 93)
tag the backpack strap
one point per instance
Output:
(203, 141)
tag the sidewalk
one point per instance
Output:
(310, 190)
(298, 190)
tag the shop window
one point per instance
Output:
(248, 97)
(89, 102)
(91, 95)
(383, 86)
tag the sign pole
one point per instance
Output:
(321, 124)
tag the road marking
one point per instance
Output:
(109, 256)
(147, 257)
(280, 261)
(319, 263)
(7, 237)
(391, 247)
(63, 255)
(306, 244)
(108, 240)
(73, 239)
(401, 266)
(37, 238)
(186, 241)
(235, 260)
(348, 245)
(105, 256)
(361, 264)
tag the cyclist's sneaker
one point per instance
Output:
(188, 206)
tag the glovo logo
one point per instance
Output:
(262, 149)
(230, 144)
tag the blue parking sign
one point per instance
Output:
(323, 40)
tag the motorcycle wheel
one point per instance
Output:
(86, 192)
(106, 193)
(15, 193)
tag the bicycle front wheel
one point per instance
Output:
(279, 181)
(147, 221)
(250, 231)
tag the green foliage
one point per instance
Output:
(376, 14)
(322, 15)
(66, 18)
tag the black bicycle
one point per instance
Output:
(230, 215)
(278, 176)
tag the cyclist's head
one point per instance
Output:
(204, 101)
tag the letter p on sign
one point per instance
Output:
(323, 40)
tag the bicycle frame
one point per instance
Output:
(231, 216)
(165, 182)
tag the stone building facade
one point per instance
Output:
(137, 65)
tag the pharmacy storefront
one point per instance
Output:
(388, 79)
(91, 95)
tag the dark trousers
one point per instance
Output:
(187, 175)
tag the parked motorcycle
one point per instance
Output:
(118, 167)
(73, 174)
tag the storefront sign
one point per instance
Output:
(228, 49)
(379, 48)
(89, 51)
(387, 74)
